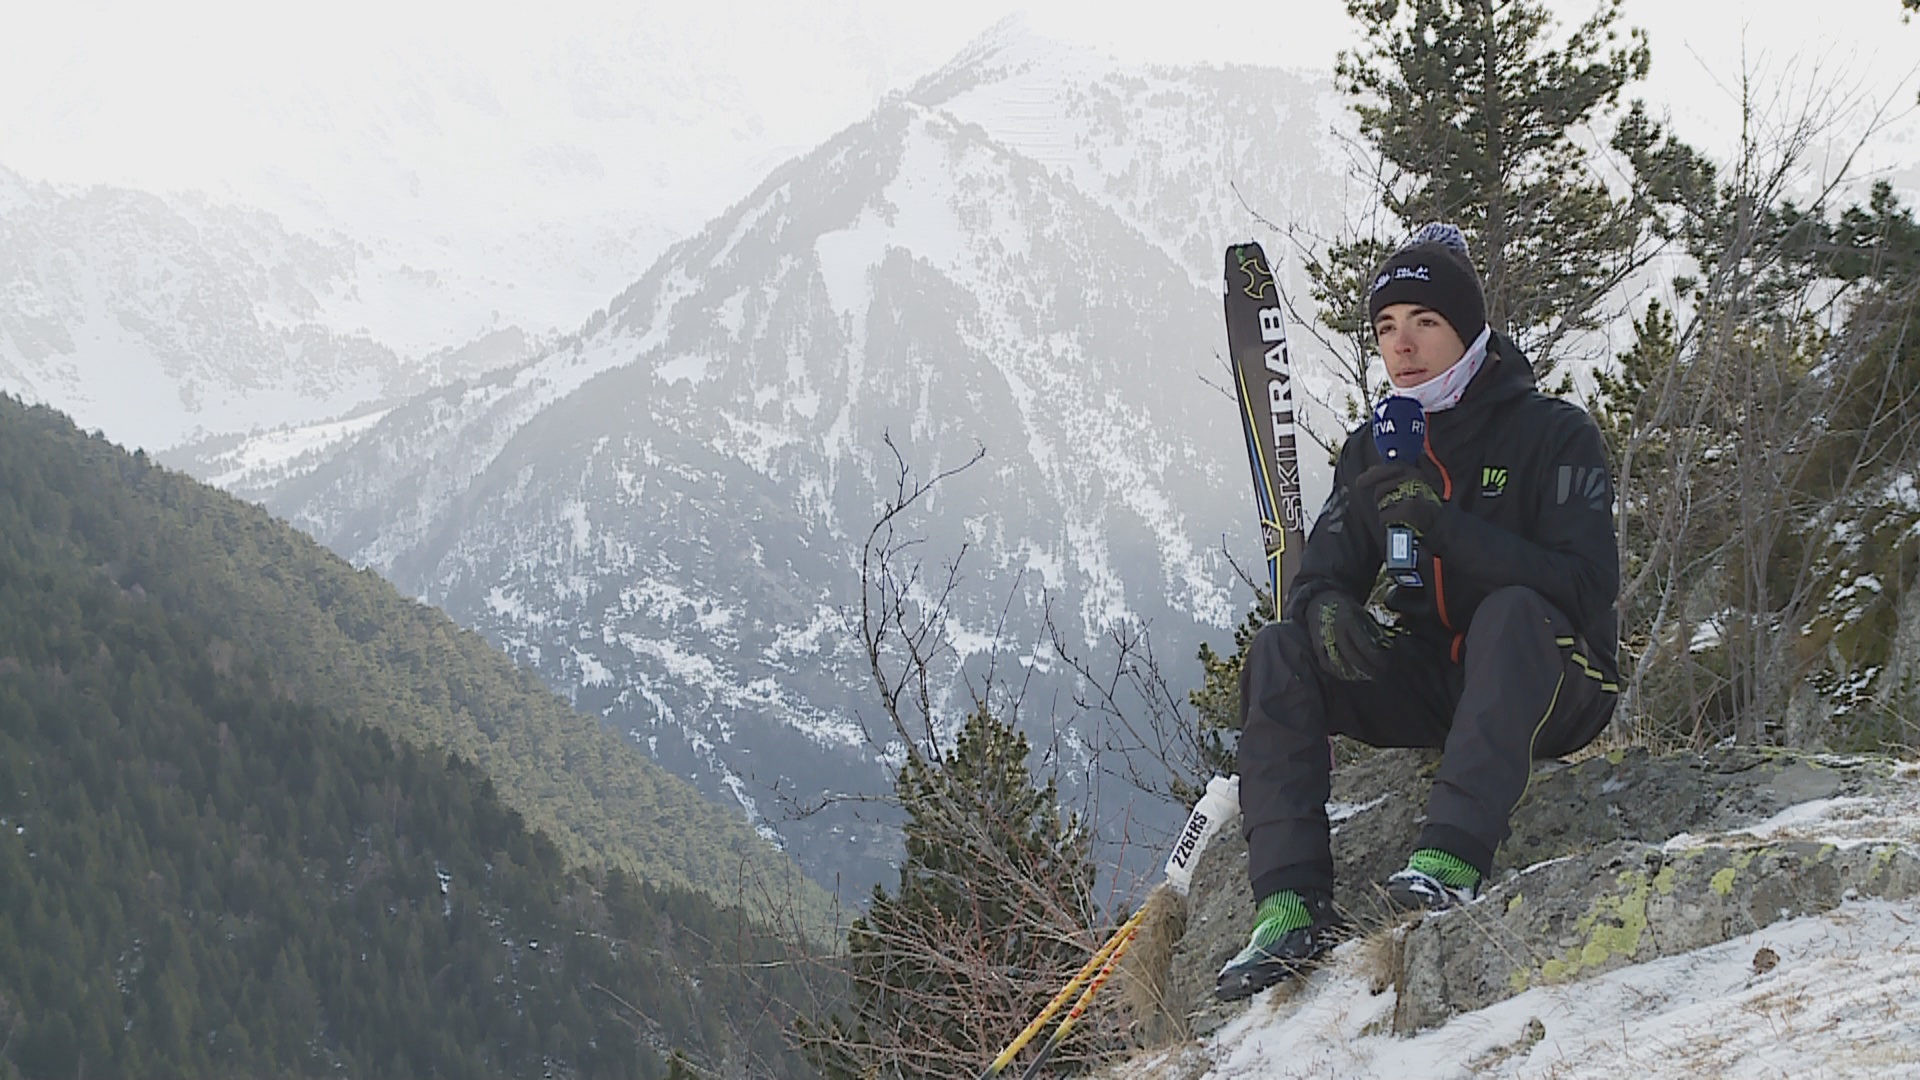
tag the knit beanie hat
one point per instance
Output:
(1432, 269)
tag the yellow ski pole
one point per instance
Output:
(1080, 1007)
(1099, 960)
(1219, 806)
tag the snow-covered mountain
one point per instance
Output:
(303, 213)
(1187, 156)
(664, 515)
(161, 319)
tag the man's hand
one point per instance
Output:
(1347, 643)
(1403, 496)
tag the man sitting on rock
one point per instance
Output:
(1503, 653)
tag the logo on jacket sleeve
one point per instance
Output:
(1584, 484)
(1493, 482)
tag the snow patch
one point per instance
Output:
(1842, 822)
(1706, 636)
(732, 315)
(806, 640)
(275, 451)
(847, 259)
(1704, 1013)
(691, 370)
(574, 514)
(1341, 811)
(508, 606)
(592, 671)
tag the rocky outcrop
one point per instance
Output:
(1624, 904)
(1618, 859)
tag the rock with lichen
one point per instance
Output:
(1626, 903)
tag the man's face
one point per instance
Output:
(1416, 343)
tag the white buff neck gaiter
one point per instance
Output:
(1443, 390)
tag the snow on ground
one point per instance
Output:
(1841, 997)
(1831, 995)
(275, 451)
(1890, 818)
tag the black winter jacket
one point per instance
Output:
(1529, 501)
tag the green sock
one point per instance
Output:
(1445, 868)
(1278, 914)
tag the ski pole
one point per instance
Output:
(1216, 808)
(1087, 971)
(1080, 1007)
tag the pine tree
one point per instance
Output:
(1758, 425)
(992, 915)
(1481, 120)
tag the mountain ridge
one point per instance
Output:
(168, 318)
(345, 640)
(211, 871)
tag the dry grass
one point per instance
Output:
(1382, 957)
(1146, 971)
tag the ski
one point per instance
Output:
(1263, 384)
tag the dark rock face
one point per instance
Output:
(1583, 885)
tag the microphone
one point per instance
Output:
(1400, 435)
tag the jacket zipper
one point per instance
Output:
(1439, 576)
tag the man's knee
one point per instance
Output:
(1517, 609)
(1281, 646)
(1278, 657)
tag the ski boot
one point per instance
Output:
(1291, 933)
(1433, 881)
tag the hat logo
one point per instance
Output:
(1403, 273)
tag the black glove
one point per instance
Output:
(1403, 496)
(1347, 643)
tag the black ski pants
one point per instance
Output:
(1523, 691)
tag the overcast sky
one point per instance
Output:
(132, 55)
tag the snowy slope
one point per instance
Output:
(161, 319)
(1839, 1003)
(1191, 157)
(1187, 155)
